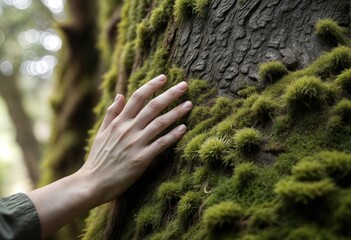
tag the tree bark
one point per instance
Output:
(25, 137)
(227, 46)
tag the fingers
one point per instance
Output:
(158, 104)
(166, 120)
(137, 100)
(113, 111)
(164, 142)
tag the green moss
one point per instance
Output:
(330, 31)
(262, 218)
(188, 207)
(344, 80)
(213, 150)
(337, 166)
(128, 56)
(146, 220)
(263, 109)
(144, 33)
(161, 15)
(225, 216)
(247, 141)
(201, 7)
(199, 91)
(222, 107)
(271, 72)
(343, 110)
(304, 192)
(197, 115)
(182, 9)
(244, 174)
(169, 192)
(191, 151)
(226, 127)
(332, 63)
(343, 213)
(305, 94)
(307, 233)
(309, 170)
(200, 175)
(248, 91)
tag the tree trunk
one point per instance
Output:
(228, 45)
(224, 47)
(23, 124)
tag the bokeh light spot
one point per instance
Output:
(6, 68)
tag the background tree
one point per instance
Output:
(267, 155)
(27, 46)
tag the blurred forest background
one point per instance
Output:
(29, 45)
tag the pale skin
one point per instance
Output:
(124, 147)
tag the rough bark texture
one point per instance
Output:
(74, 97)
(25, 138)
(227, 46)
(240, 191)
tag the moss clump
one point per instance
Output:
(309, 170)
(188, 206)
(146, 220)
(225, 216)
(271, 72)
(330, 31)
(244, 174)
(213, 150)
(332, 63)
(337, 165)
(197, 115)
(305, 94)
(223, 106)
(247, 141)
(263, 109)
(144, 33)
(199, 91)
(226, 127)
(343, 110)
(191, 150)
(183, 8)
(304, 192)
(161, 15)
(344, 81)
(169, 192)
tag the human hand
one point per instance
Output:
(125, 144)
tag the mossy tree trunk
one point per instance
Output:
(74, 97)
(221, 42)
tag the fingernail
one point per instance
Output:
(117, 97)
(187, 105)
(181, 128)
(161, 78)
(182, 85)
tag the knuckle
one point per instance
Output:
(160, 123)
(110, 109)
(139, 161)
(153, 104)
(162, 142)
(137, 96)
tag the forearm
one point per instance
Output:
(61, 201)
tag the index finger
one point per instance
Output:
(138, 98)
